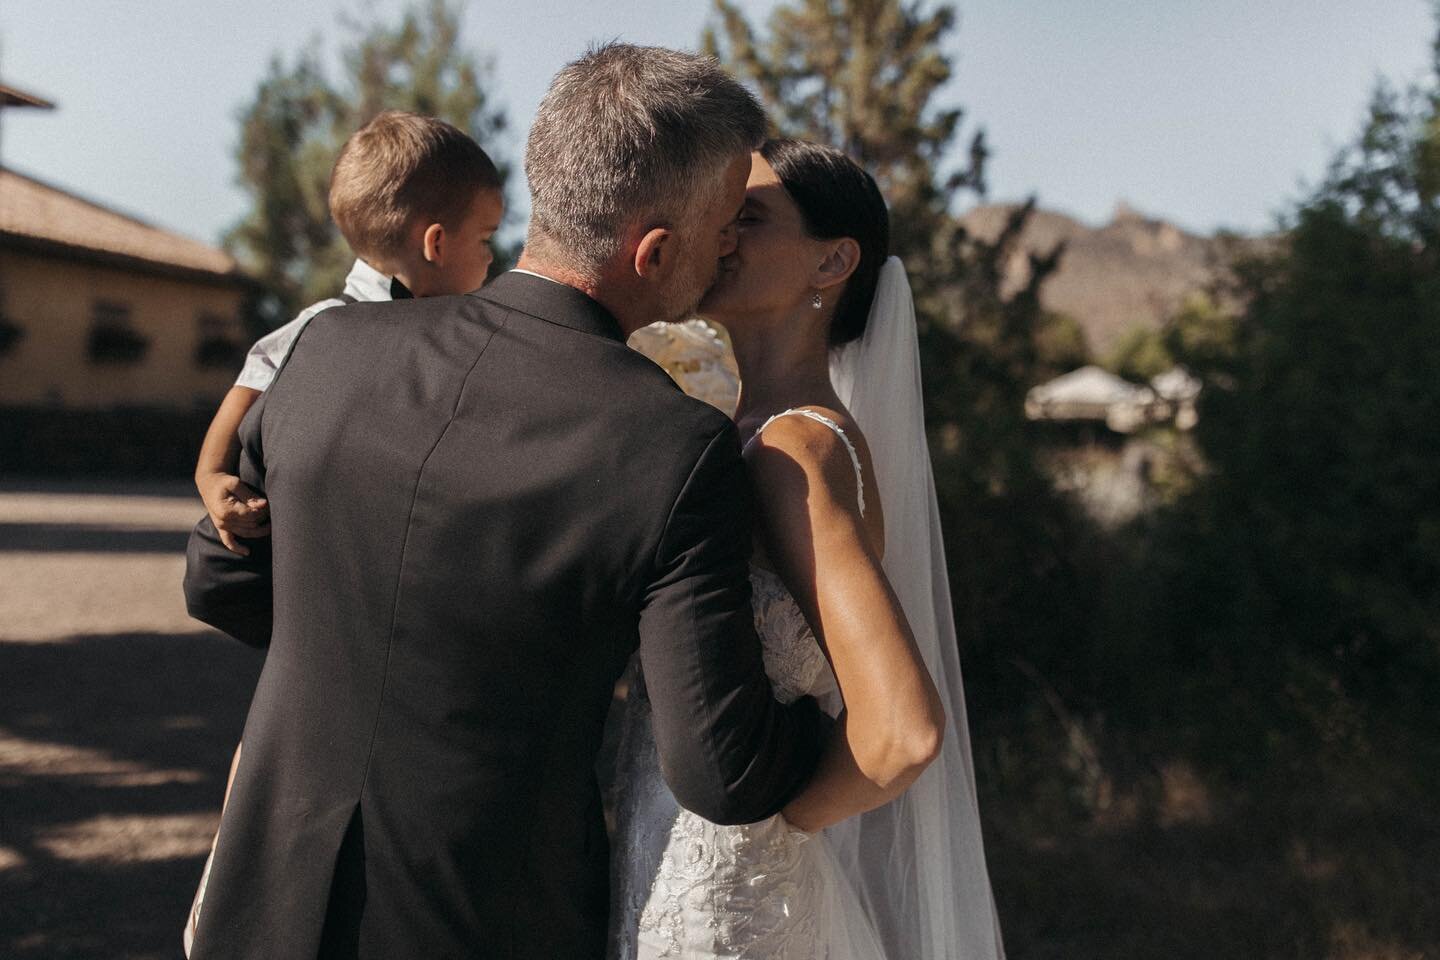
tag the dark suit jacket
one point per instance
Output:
(481, 505)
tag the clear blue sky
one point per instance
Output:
(1210, 113)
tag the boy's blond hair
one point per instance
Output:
(401, 167)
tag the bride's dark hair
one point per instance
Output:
(837, 199)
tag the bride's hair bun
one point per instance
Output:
(837, 198)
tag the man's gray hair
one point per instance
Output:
(626, 133)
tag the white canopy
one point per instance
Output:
(1090, 385)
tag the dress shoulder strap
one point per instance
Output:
(821, 418)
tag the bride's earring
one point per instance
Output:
(816, 302)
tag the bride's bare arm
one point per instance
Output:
(818, 542)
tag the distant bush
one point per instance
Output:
(1296, 591)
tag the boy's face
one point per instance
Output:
(467, 247)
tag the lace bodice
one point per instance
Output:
(793, 659)
(689, 889)
(686, 888)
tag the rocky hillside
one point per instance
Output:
(1134, 271)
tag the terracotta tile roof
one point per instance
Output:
(30, 209)
(14, 97)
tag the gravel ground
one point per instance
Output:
(118, 714)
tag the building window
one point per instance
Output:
(11, 333)
(113, 339)
(218, 346)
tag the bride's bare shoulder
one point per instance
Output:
(808, 451)
(816, 462)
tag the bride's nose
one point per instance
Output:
(729, 239)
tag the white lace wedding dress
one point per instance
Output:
(911, 874)
(682, 887)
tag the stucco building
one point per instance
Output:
(99, 310)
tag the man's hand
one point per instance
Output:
(235, 509)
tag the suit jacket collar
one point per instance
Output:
(553, 302)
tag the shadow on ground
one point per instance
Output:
(113, 755)
(89, 538)
(114, 749)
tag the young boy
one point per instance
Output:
(418, 201)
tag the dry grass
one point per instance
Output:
(1334, 862)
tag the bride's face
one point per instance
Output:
(771, 272)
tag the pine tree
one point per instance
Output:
(291, 132)
(862, 75)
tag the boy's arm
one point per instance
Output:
(231, 592)
(234, 508)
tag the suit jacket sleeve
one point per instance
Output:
(728, 750)
(225, 590)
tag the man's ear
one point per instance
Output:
(840, 261)
(433, 244)
(655, 253)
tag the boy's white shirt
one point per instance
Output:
(364, 283)
(532, 273)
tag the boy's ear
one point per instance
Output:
(433, 244)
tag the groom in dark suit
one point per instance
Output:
(481, 506)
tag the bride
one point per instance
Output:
(880, 856)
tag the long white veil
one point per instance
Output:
(918, 863)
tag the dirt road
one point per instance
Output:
(117, 718)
